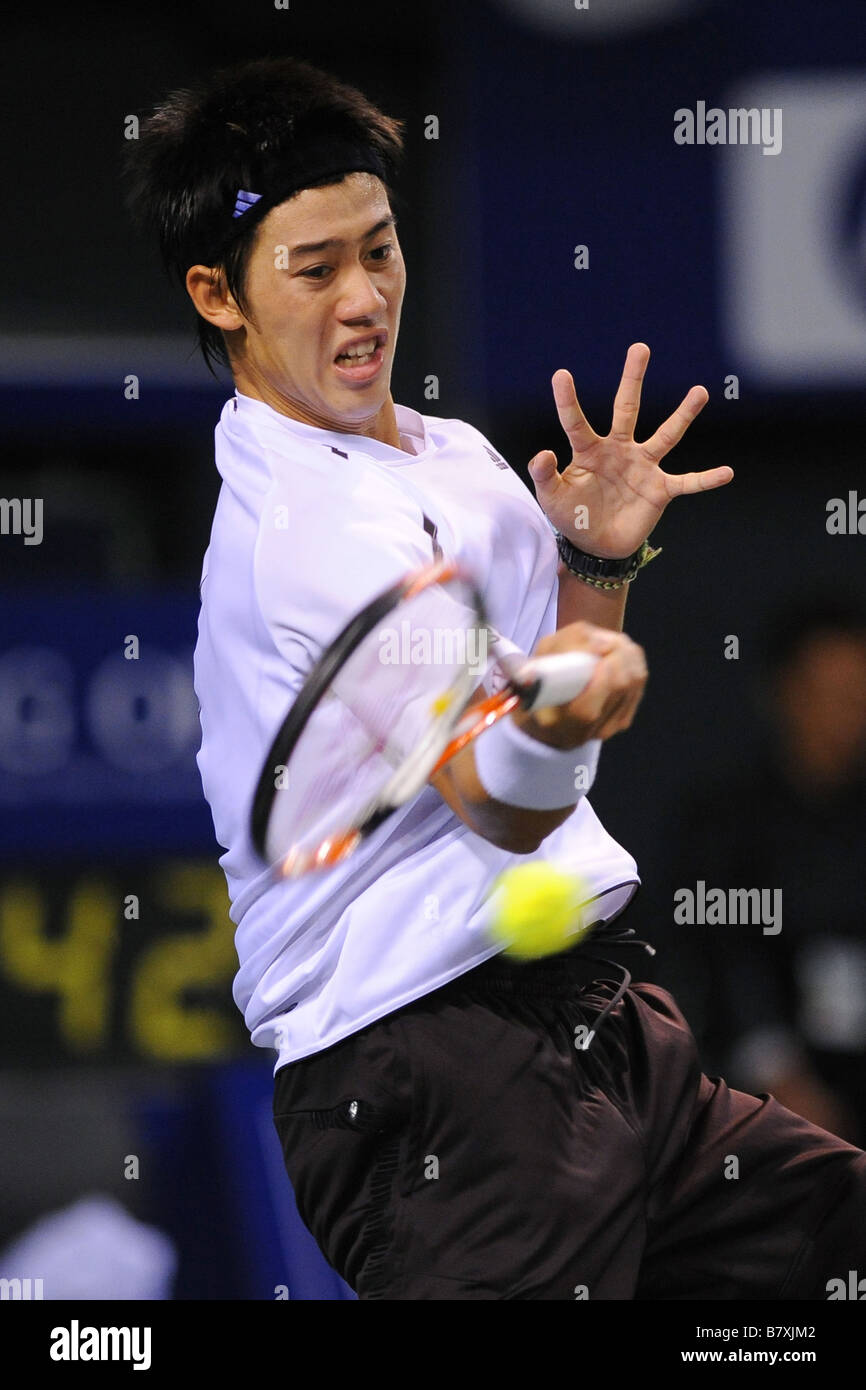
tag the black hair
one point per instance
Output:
(243, 128)
(802, 619)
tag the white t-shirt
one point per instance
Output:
(309, 526)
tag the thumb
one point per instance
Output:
(543, 469)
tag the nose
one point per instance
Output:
(360, 298)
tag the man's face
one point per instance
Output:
(308, 302)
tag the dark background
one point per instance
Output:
(555, 130)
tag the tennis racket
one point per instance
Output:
(386, 706)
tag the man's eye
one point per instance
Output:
(318, 272)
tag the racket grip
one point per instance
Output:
(556, 679)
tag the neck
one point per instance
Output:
(381, 426)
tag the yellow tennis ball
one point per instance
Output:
(537, 909)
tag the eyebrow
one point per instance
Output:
(308, 248)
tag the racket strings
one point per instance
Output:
(403, 686)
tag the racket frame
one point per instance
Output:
(317, 682)
(468, 724)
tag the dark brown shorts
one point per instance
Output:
(468, 1146)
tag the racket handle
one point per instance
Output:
(556, 679)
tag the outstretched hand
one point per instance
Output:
(612, 493)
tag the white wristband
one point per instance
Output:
(518, 769)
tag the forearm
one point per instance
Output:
(514, 828)
(583, 602)
(521, 772)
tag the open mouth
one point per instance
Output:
(362, 360)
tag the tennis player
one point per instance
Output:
(455, 1125)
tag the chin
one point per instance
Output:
(356, 407)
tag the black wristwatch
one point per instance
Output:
(603, 574)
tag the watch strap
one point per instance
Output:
(604, 574)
